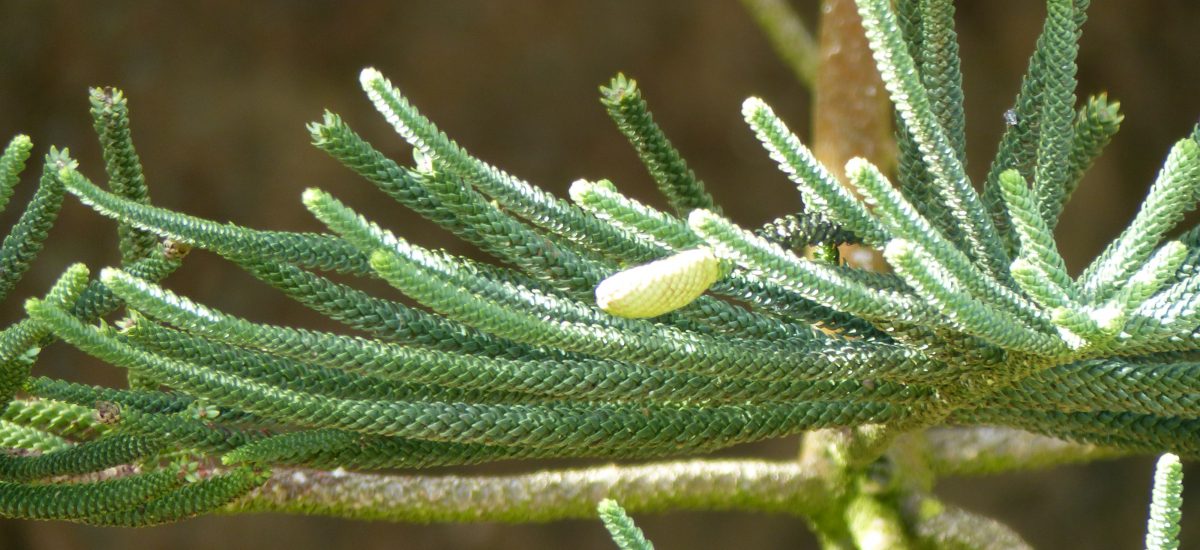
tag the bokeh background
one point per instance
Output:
(220, 92)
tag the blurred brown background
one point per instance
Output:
(220, 90)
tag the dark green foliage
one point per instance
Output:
(55, 417)
(796, 231)
(1018, 145)
(1056, 132)
(625, 105)
(386, 319)
(18, 342)
(325, 448)
(16, 355)
(340, 448)
(12, 163)
(91, 456)
(89, 396)
(1095, 125)
(280, 371)
(83, 500)
(110, 117)
(25, 240)
(938, 61)
(97, 301)
(20, 439)
(304, 249)
(913, 176)
(200, 429)
(190, 500)
(560, 426)
(979, 324)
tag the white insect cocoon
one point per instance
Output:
(659, 287)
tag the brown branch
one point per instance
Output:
(851, 113)
(780, 487)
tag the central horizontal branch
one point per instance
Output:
(779, 487)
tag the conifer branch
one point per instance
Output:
(902, 221)
(1018, 144)
(912, 103)
(820, 189)
(638, 220)
(1056, 130)
(1173, 194)
(206, 495)
(25, 240)
(84, 500)
(624, 103)
(110, 117)
(1037, 242)
(940, 71)
(305, 249)
(1163, 528)
(24, 438)
(617, 331)
(1095, 125)
(62, 419)
(813, 280)
(624, 532)
(12, 163)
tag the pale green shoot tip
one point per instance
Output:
(579, 190)
(312, 196)
(582, 189)
(659, 287)
(369, 76)
(1166, 501)
(897, 249)
(112, 275)
(753, 105)
(858, 167)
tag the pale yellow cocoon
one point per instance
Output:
(659, 287)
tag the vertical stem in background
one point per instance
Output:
(851, 118)
(851, 113)
(792, 41)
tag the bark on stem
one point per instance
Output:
(851, 113)
(779, 487)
